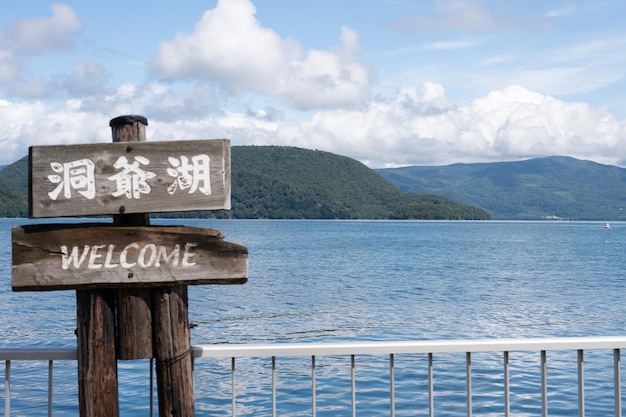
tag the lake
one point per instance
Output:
(363, 280)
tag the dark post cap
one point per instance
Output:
(125, 120)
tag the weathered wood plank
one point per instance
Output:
(72, 256)
(97, 366)
(136, 177)
(172, 343)
(134, 323)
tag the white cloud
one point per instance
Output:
(510, 124)
(34, 88)
(86, 79)
(30, 124)
(25, 38)
(558, 81)
(412, 128)
(229, 46)
(55, 33)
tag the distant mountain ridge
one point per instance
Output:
(280, 182)
(555, 187)
(288, 182)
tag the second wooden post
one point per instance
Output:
(134, 306)
(155, 322)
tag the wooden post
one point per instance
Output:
(97, 365)
(169, 325)
(134, 316)
(97, 359)
(130, 129)
(173, 352)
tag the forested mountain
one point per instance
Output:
(290, 183)
(287, 182)
(554, 187)
(14, 189)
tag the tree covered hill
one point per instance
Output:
(14, 189)
(289, 183)
(551, 187)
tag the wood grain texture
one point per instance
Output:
(134, 323)
(73, 256)
(48, 196)
(97, 365)
(134, 305)
(172, 343)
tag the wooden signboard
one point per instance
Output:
(123, 178)
(130, 278)
(79, 256)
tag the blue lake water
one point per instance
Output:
(368, 280)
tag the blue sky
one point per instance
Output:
(387, 82)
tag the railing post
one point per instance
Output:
(50, 379)
(313, 389)
(617, 382)
(468, 365)
(392, 388)
(544, 384)
(353, 384)
(581, 384)
(507, 388)
(273, 386)
(7, 388)
(431, 388)
(232, 382)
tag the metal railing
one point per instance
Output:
(32, 354)
(389, 349)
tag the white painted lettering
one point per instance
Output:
(124, 255)
(142, 255)
(73, 258)
(171, 259)
(188, 254)
(134, 254)
(93, 256)
(108, 262)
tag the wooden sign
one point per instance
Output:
(78, 256)
(123, 178)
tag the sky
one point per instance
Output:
(387, 82)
